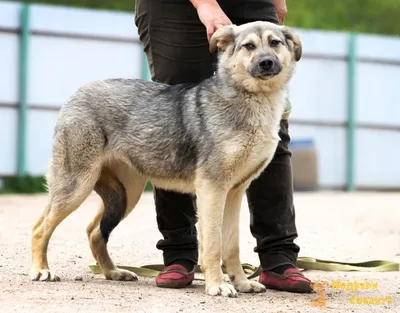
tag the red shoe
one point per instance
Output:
(174, 276)
(292, 280)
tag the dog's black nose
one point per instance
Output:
(266, 63)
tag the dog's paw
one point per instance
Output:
(225, 290)
(120, 274)
(43, 275)
(249, 286)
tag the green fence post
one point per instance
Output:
(350, 136)
(146, 76)
(145, 68)
(23, 88)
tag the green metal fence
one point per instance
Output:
(24, 35)
(23, 87)
(24, 49)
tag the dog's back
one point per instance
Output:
(145, 122)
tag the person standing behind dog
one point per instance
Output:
(175, 35)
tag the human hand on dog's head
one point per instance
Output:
(211, 15)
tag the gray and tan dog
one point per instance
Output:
(209, 139)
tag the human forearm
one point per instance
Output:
(281, 9)
(196, 3)
(211, 15)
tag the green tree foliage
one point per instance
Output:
(368, 16)
(120, 5)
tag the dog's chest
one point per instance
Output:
(247, 154)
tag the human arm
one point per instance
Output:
(281, 9)
(211, 15)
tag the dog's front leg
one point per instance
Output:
(230, 244)
(210, 204)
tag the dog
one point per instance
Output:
(209, 139)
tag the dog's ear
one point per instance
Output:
(222, 38)
(297, 46)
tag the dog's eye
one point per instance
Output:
(274, 42)
(249, 46)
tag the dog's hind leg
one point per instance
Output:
(230, 246)
(120, 189)
(74, 169)
(65, 197)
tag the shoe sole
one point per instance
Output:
(173, 286)
(304, 289)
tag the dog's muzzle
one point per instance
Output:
(267, 66)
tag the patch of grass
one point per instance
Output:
(32, 185)
(149, 187)
(6, 191)
(23, 185)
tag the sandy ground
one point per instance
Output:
(337, 226)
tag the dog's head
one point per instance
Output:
(259, 56)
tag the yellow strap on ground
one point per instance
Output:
(309, 263)
(305, 263)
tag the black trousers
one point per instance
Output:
(176, 46)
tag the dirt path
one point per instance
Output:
(337, 226)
